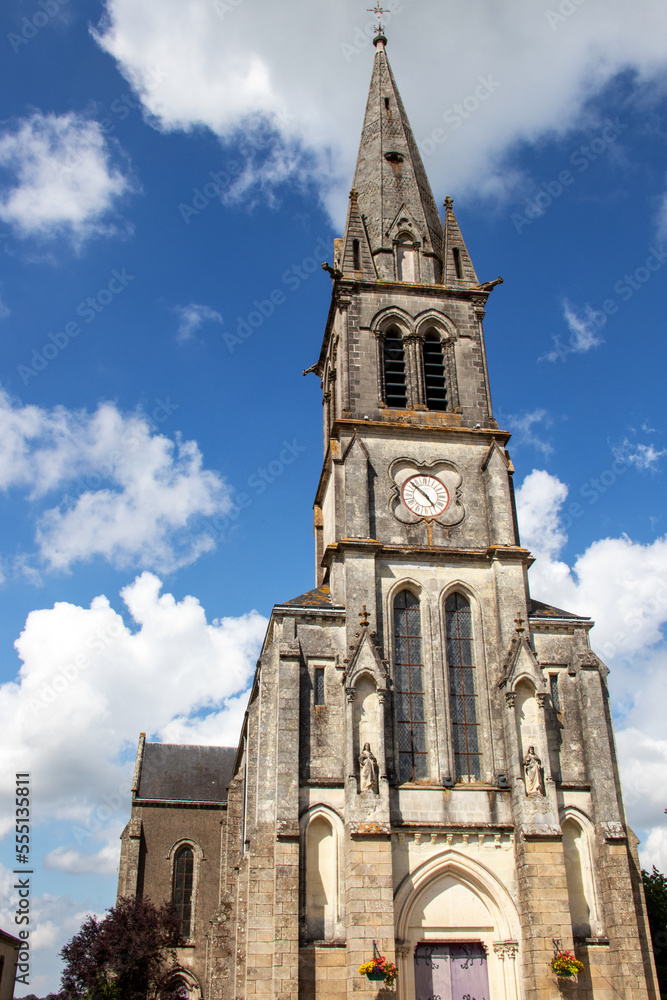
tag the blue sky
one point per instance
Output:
(172, 174)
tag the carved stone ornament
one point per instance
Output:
(447, 512)
(506, 949)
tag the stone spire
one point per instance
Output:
(458, 267)
(393, 195)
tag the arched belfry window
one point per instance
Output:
(462, 688)
(184, 868)
(409, 684)
(395, 385)
(434, 372)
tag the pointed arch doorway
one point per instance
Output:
(457, 930)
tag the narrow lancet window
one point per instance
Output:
(396, 393)
(462, 688)
(319, 685)
(356, 257)
(184, 866)
(458, 262)
(434, 373)
(410, 721)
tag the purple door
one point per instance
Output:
(451, 972)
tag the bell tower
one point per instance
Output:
(426, 765)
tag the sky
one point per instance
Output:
(172, 175)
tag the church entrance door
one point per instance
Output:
(451, 972)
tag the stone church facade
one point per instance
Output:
(427, 762)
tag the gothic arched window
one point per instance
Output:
(434, 373)
(395, 386)
(184, 868)
(410, 720)
(462, 688)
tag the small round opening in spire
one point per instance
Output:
(393, 157)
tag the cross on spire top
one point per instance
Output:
(379, 11)
(363, 614)
(519, 622)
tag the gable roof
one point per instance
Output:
(185, 773)
(320, 597)
(537, 609)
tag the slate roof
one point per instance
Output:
(537, 609)
(186, 773)
(318, 598)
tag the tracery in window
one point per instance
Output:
(184, 867)
(410, 720)
(462, 688)
(395, 385)
(434, 373)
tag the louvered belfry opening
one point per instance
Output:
(462, 690)
(395, 386)
(434, 373)
(411, 722)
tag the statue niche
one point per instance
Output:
(528, 722)
(366, 731)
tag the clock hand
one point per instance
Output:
(418, 489)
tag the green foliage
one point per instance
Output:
(655, 890)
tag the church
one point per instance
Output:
(426, 769)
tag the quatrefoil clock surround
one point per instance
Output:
(426, 491)
(425, 495)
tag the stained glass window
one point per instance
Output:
(409, 686)
(184, 866)
(462, 689)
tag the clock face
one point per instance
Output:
(425, 496)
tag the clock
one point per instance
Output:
(425, 496)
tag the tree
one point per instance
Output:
(655, 890)
(127, 955)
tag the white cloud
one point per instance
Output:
(54, 919)
(622, 585)
(62, 180)
(136, 498)
(523, 430)
(235, 66)
(73, 862)
(191, 317)
(90, 683)
(583, 325)
(538, 502)
(642, 456)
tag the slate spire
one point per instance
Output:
(393, 195)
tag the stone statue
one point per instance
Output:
(532, 769)
(368, 769)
